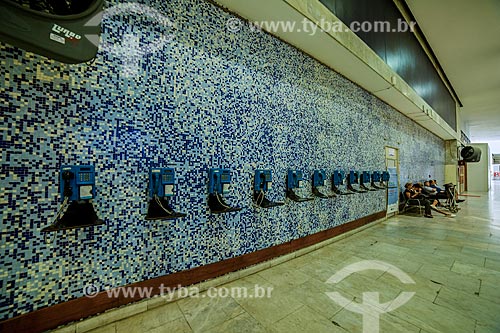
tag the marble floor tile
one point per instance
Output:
(313, 294)
(490, 291)
(284, 276)
(303, 320)
(203, 312)
(444, 276)
(494, 248)
(267, 311)
(243, 323)
(433, 318)
(111, 328)
(179, 325)
(492, 264)
(250, 282)
(476, 271)
(482, 328)
(423, 287)
(402, 262)
(352, 322)
(150, 319)
(356, 285)
(463, 257)
(473, 307)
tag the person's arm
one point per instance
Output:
(410, 194)
(430, 190)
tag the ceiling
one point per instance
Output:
(465, 37)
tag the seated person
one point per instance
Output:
(433, 184)
(433, 193)
(428, 189)
(420, 188)
(411, 194)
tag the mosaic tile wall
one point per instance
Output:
(207, 98)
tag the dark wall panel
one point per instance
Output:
(361, 11)
(400, 50)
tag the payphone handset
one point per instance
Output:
(364, 180)
(352, 178)
(376, 179)
(161, 192)
(262, 180)
(385, 176)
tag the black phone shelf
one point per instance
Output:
(351, 188)
(217, 204)
(259, 198)
(78, 215)
(317, 193)
(363, 187)
(160, 209)
(290, 194)
(376, 187)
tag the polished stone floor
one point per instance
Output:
(454, 262)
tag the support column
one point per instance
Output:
(451, 163)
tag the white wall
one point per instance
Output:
(493, 144)
(494, 147)
(478, 174)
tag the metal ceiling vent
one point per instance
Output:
(63, 30)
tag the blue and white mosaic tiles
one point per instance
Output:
(207, 98)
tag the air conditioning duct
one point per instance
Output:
(471, 154)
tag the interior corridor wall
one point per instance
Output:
(207, 98)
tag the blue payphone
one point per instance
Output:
(161, 191)
(319, 183)
(77, 189)
(365, 179)
(219, 183)
(385, 179)
(352, 181)
(375, 180)
(294, 181)
(261, 184)
(338, 181)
